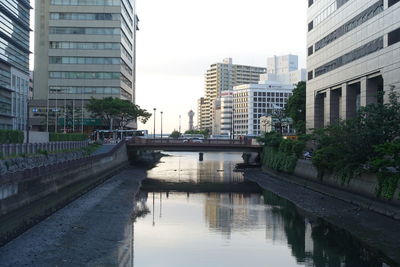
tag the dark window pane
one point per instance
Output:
(392, 2)
(310, 26)
(394, 37)
(310, 75)
(310, 50)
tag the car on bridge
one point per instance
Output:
(194, 140)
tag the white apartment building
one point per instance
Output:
(83, 49)
(252, 101)
(284, 69)
(222, 77)
(353, 53)
(226, 113)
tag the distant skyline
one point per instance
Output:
(179, 39)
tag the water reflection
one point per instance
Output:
(185, 167)
(314, 242)
(263, 229)
(233, 229)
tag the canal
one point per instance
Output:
(184, 212)
(250, 228)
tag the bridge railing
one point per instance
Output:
(168, 141)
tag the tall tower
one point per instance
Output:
(191, 115)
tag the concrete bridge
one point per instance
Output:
(165, 144)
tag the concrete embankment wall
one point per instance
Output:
(29, 196)
(358, 190)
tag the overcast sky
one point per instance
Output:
(179, 39)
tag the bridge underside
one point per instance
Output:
(153, 185)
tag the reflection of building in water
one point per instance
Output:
(126, 247)
(274, 227)
(230, 212)
(220, 171)
(314, 243)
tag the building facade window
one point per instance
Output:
(358, 53)
(84, 45)
(86, 31)
(394, 37)
(86, 2)
(364, 16)
(86, 60)
(84, 90)
(84, 75)
(392, 2)
(84, 16)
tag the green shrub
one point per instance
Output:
(59, 137)
(11, 137)
(43, 152)
(278, 160)
(281, 154)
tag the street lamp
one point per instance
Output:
(161, 125)
(233, 124)
(179, 123)
(154, 127)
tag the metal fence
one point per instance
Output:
(7, 150)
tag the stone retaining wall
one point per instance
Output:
(24, 187)
(365, 185)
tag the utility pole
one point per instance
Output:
(27, 121)
(233, 124)
(179, 123)
(154, 127)
(161, 125)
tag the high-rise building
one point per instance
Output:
(222, 77)
(14, 63)
(353, 53)
(191, 115)
(226, 113)
(252, 101)
(249, 102)
(83, 49)
(201, 118)
(284, 69)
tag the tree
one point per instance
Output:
(278, 116)
(120, 112)
(348, 147)
(296, 107)
(175, 134)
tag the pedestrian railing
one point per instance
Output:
(7, 150)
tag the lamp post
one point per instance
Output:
(161, 125)
(27, 120)
(179, 123)
(154, 127)
(233, 124)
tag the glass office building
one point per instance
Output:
(14, 63)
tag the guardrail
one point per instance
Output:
(7, 150)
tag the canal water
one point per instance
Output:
(232, 229)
